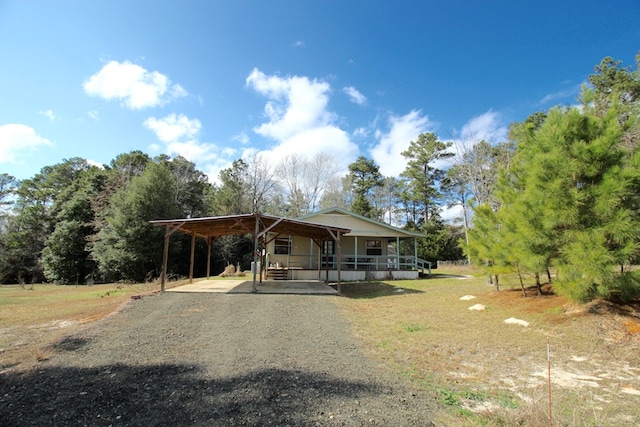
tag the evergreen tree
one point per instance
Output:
(422, 174)
(364, 176)
(128, 247)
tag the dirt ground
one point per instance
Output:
(212, 359)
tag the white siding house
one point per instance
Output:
(372, 250)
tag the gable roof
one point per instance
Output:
(358, 224)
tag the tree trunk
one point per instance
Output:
(524, 292)
(538, 285)
(497, 282)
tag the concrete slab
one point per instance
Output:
(299, 287)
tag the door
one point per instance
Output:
(328, 253)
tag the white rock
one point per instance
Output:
(514, 321)
(467, 298)
(479, 307)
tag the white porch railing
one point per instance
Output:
(358, 262)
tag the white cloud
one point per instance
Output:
(451, 215)
(174, 127)
(328, 139)
(17, 139)
(193, 150)
(487, 126)
(298, 118)
(95, 163)
(242, 138)
(402, 130)
(48, 114)
(93, 114)
(298, 43)
(563, 94)
(354, 95)
(136, 87)
(180, 135)
(360, 132)
(295, 104)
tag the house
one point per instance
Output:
(372, 250)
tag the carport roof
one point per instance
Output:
(246, 224)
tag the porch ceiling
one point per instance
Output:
(246, 224)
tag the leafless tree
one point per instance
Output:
(262, 185)
(306, 180)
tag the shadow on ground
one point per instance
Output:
(366, 290)
(173, 395)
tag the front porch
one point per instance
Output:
(353, 267)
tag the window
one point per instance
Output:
(282, 246)
(374, 247)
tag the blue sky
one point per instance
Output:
(215, 81)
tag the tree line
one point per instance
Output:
(556, 201)
(75, 223)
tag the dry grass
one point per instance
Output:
(488, 372)
(485, 372)
(33, 316)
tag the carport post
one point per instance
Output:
(165, 256)
(209, 243)
(193, 251)
(255, 253)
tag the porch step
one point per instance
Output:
(277, 274)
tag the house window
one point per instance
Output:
(282, 246)
(374, 247)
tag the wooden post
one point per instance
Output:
(193, 251)
(209, 243)
(326, 265)
(255, 253)
(319, 261)
(339, 261)
(165, 256)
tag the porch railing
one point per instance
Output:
(359, 262)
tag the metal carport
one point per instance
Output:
(258, 225)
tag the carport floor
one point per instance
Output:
(299, 287)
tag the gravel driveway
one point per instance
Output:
(213, 359)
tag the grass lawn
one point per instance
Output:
(488, 372)
(484, 371)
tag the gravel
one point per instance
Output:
(213, 359)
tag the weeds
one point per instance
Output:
(414, 328)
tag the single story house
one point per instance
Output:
(371, 250)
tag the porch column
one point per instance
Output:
(320, 264)
(326, 265)
(415, 253)
(355, 260)
(339, 262)
(398, 253)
